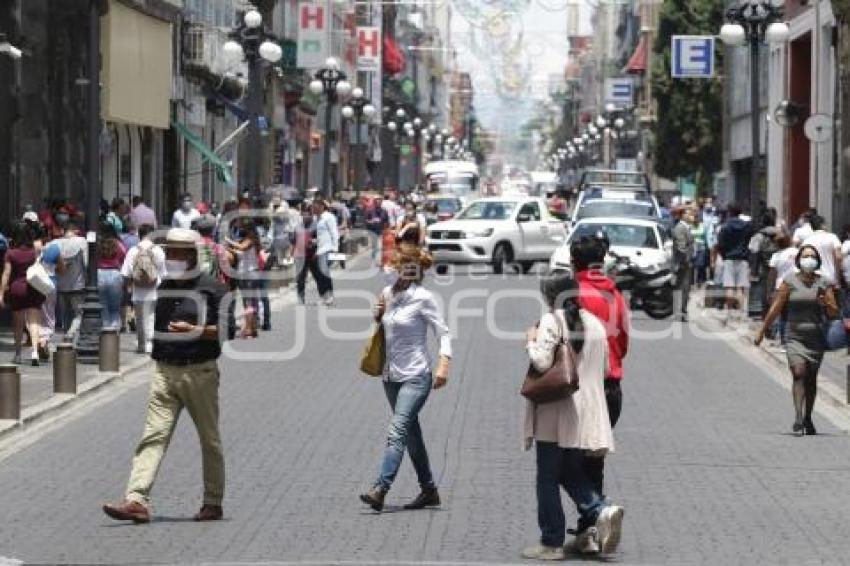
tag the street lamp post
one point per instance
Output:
(331, 81)
(414, 131)
(358, 107)
(753, 22)
(250, 42)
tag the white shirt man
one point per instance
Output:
(395, 213)
(144, 296)
(185, 215)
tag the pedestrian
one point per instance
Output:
(599, 295)
(393, 210)
(781, 265)
(327, 242)
(142, 214)
(802, 229)
(247, 251)
(71, 280)
(733, 245)
(807, 296)
(51, 258)
(110, 284)
(281, 237)
(108, 216)
(24, 301)
(411, 230)
(186, 214)
(185, 351)
(845, 262)
(142, 270)
(829, 248)
(762, 246)
(305, 254)
(377, 220)
(406, 310)
(567, 432)
(683, 256)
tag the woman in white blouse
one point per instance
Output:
(407, 310)
(566, 432)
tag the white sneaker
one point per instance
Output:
(543, 552)
(609, 526)
(586, 542)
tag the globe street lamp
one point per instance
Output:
(358, 107)
(330, 81)
(250, 42)
(754, 22)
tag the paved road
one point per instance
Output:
(705, 466)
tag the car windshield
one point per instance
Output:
(630, 209)
(488, 210)
(625, 235)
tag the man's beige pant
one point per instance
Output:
(194, 387)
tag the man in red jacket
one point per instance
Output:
(598, 294)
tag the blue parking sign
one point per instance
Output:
(692, 57)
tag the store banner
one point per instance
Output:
(313, 23)
(368, 49)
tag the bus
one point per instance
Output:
(452, 177)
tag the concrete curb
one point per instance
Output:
(57, 402)
(827, 389)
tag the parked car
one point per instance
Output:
(498, 231)
(439, 208)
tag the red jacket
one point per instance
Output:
(599, 295)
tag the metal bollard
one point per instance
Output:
(65, 369)
(110, 351)
(10, 392)
(848, 384)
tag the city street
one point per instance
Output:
(705, 467)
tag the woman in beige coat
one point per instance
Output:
(566, 432)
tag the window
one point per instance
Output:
(488, 210)
(531, 210)
(625, 235)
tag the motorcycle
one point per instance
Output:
(651, 291)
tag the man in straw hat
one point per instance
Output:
(186, 349)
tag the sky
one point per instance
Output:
(506, 46)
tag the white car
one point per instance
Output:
(642, 241)
(498, 231)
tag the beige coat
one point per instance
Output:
(581, 420)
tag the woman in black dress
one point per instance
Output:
(15, 292)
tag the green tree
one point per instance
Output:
(688, 132)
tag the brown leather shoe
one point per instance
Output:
(209, 513)
(374, 498)
(128, 511)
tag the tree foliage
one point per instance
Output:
(689, 131)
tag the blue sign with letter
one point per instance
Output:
(620, 91)
(692, 57)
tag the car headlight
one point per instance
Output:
(480, 233)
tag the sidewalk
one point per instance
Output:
(833, 377)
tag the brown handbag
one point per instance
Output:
(374, 355)
(559, 381)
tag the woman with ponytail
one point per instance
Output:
(566, 432)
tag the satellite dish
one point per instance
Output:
(818, 128)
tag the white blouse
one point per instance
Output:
(406, 320)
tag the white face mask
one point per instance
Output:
(808, 264)
(175, 268)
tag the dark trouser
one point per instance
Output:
(305, 265)
(563, 467)
(262, 286)
(595, 467)
(231, 310)
(684, 278)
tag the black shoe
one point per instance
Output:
(374, 498)
(426, 498)
(810, 427)
(797, 428)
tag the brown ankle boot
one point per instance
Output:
(427, 498)
(374, 498)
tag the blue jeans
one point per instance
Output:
(557, 467)
(110, 287)
(406, 400)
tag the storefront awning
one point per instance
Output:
(637, 64)
(222, 168)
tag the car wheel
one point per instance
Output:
(441, 268)
(526, 266)
(501, 258)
